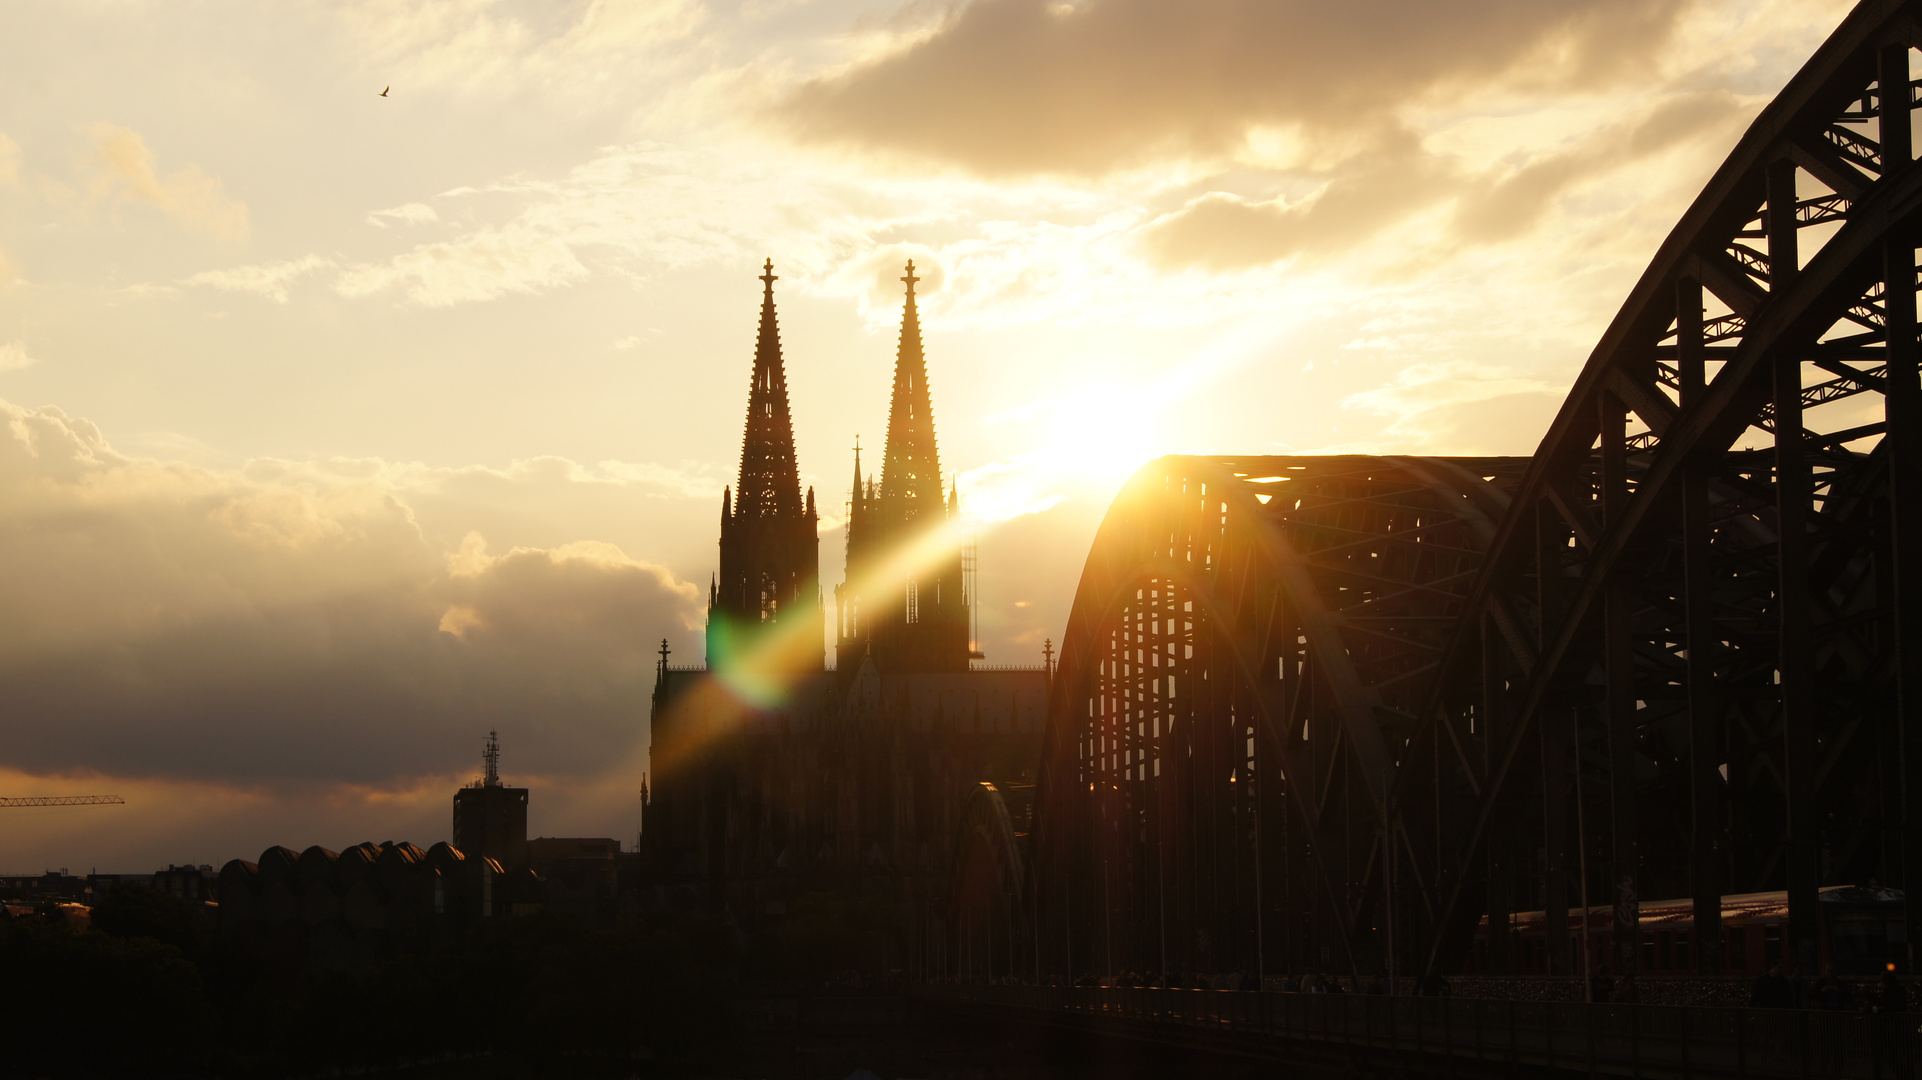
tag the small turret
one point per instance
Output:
(812, 515)
(727, 504)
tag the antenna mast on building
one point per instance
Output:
(492, 758)
(970, 591)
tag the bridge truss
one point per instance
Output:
(1333, 712)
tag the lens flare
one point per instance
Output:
(1092, 442)
(758, 670)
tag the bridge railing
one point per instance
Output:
(1643, 1040)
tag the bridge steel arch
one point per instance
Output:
(1248, 648)
(1701, 613)
(1678, 652)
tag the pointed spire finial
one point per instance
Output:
(769, 484)
(769, 529)
(911, 463)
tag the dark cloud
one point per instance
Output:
(1220, 231)
(1509, 206)
(1040, 86)
(1385, 185)
(163, 621)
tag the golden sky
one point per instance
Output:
(340, 428)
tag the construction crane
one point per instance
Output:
(65, 800)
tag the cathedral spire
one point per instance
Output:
(770, 550)
(906, 617)
(770, 484)
(910, 462)
(855, 491)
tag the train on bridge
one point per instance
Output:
(1862, 933)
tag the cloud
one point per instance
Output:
(874, 277)
(1378, 189)
(1397, 179)
(283, 624)
(9, 160)
(268, 280)
(483, 483)
(1011, 87)
(120, 169)
(1500, 209)
(13, 357)
(412, 213)
(1420, 389)
(1230, 135)
(480, 266)
(636, 210)
(990, 254)
(687, 483)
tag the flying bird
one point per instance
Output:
(383, 92)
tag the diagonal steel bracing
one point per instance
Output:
(1316, 712)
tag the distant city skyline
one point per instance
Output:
(340, 428)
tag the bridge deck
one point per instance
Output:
(1657, 1041)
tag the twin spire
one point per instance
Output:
(770, 484)
(917, 620)
(911, 463)
(764, 605)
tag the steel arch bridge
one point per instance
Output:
(1335, 712)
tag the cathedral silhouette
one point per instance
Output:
(900, 779)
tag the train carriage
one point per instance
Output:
(1862, 932)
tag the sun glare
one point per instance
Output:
(1088, 442)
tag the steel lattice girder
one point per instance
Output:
(1718, 638)
(1700, 610)
(1241, 622)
